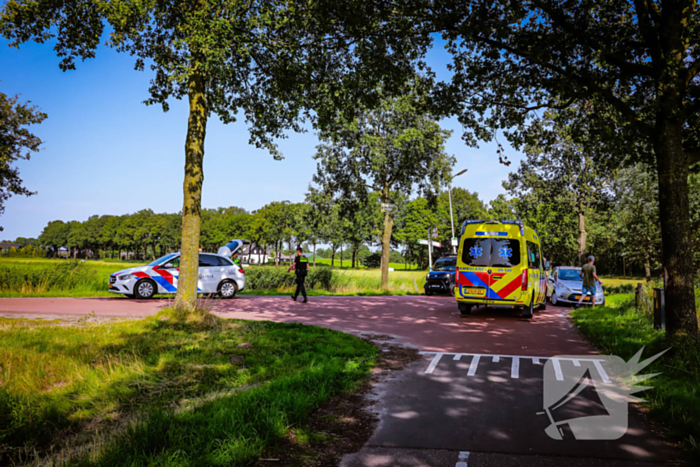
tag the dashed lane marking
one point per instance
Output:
(515, 363)
(462, 459)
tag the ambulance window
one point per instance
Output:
(491, 252)
(206, 261)
(533, 256)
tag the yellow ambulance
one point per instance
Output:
(499, 263)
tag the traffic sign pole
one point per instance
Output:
(430, 251)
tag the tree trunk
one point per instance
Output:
(674, 213)
(582, 236)
(333, 257)
(386, 246)
(186, 297)
(341, 256)
(314, 251)
(647, 268)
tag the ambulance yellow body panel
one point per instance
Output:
(499, 263)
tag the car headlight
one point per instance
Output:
(126, 277)
(564, 288)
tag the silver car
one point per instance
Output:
(564, 285)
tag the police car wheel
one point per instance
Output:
(452, 290)
(145, 289)
(553, 300)
(228, 289)
(428, 293)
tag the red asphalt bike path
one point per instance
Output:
(428, 323)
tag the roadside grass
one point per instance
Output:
(616, 281)
(674, 397)
(29, 277)
(166, 390)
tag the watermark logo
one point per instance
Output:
(586, 397)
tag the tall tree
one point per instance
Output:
(569, 171)
(16, 142)
(269, 59)
(635, 63)
(637, 215)
(396, 146)
(418, 218)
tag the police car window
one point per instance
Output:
(491, 252)
(208, 261)
(160, 260)
(224, 261)
(173, 263)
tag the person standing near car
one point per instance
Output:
(589, 276)
(300, 268)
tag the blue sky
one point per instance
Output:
(105, 152)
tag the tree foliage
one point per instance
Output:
(16, 142)
(396, 146)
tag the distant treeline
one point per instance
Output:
(277, 228)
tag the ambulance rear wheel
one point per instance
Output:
(465, 309)
(528, 310)
(228, 289)
(145, 289)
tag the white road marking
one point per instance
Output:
(603, 374)
(557, 369)
(462, 459)
(515, 365)
(515, 368)
(473, 365)
(433, 364)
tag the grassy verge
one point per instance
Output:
(21, 277)
(674, 399)
(165, 390)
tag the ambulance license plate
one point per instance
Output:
(474, 291)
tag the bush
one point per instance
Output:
(275, 278)
(373, 260)
(624, 288)
(69, 275)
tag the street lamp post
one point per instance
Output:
(449, 195)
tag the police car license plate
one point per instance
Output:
(474, 291)
(587, 297)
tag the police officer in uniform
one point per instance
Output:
(300, 267)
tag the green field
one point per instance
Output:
(673, 398)
(165, 390)
(20, 277)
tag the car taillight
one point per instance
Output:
(457, 275)
(241, 271)
(524, 280)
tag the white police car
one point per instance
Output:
(217, 274)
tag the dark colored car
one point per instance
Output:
(442, 278)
